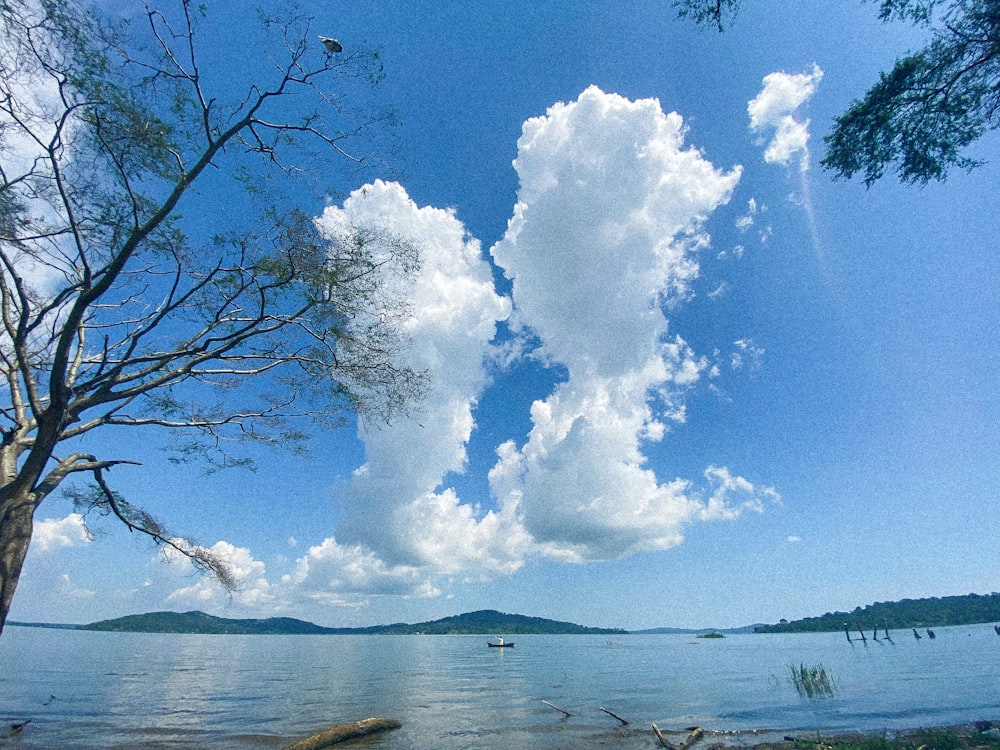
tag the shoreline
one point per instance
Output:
(978, 735)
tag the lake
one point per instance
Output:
(140, 691)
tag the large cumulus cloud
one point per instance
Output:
(395, 515)
(601, 243)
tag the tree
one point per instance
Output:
(131, 297)
(920, 116)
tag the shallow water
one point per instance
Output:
(129, 690)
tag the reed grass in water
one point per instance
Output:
(812, 681)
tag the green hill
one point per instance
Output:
(934, 612)
(488, 621)
(199, 622)
(483, 622)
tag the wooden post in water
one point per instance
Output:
(847, 632)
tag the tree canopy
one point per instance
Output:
(133, 295)
(920, 117)
(906, 613)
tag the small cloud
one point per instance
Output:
(67, 588)
(747, 220)
(746, 353)
(775, 110)
(792, 539)
(737, 252)
(55, 533)
(292, 541)
(721, 289)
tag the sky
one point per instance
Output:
(681, 376)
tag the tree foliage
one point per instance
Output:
(920, 117)
(133, 296)
(717, 13)
(906, 613)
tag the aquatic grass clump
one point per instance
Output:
(812, 682)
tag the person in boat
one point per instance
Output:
(499, 640)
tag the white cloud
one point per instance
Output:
(719, 290)
(774, 110)
(602, 240)
(608, 206)
(70, 590)
(346, 575)
(253, 588)
(399, 527)
(54, 533)
(746, 353)
(793, 539)
(747, 220)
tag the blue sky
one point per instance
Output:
(727, 388)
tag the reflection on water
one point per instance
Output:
(120, 690)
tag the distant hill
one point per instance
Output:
(489, 621)
(199, 622)
(472, 623)
(697, 631)
(54, 625)
(907, 613)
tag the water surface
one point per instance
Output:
(132, 690)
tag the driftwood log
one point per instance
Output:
(343, 732)
(696, 734)
(663, 740)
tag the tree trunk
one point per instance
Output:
(15, 534)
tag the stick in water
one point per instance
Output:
(560, 710)
(612, 713)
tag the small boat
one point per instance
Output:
(501, 644)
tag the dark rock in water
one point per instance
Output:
(343, 732)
